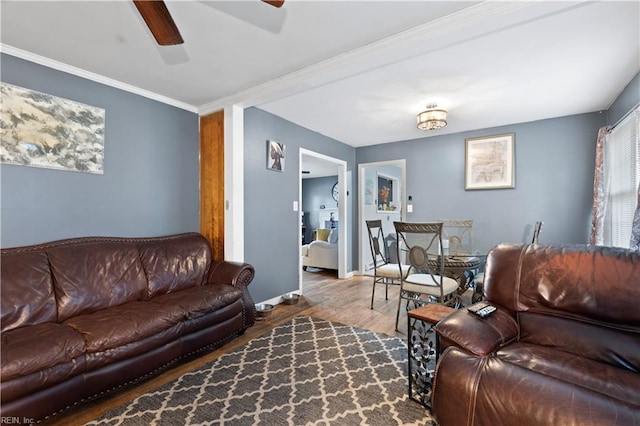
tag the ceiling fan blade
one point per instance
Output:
(159, 20)
(274, 3)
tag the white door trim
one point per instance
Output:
(363, 240)
(343, 229)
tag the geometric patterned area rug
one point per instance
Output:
(306, 372)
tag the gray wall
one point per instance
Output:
(150, 181)
(628, 99)
(554, 180)
(316, 192)
(271, 225)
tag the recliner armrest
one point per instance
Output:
(480, 336)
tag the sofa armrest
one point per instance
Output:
(234, 273)
(239, 275)
(322, 245)
(480, 336)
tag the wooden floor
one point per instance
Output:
(324, 297)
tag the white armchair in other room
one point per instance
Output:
(322, 253)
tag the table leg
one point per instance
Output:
(422, 358)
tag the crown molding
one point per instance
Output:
(69, 69)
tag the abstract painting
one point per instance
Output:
(42, 130)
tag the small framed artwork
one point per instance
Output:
(386, 193)
(275, 156)
(368, 192)
(489, 162)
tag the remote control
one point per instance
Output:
(475, 308)
(483, 310)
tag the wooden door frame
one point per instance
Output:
(212, 201)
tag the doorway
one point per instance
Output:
(327, 166)
(388, 177)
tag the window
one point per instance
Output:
(621, 179)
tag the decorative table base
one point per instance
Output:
(423, 349)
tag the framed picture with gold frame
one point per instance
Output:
(489, 162)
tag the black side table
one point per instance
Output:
(423, 349)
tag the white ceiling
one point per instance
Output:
(356, 71)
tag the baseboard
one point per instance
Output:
(278, 299)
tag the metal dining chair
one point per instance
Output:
(425, 281)
(457, 235)
(385, 272)
(457, 231)
(536, 232)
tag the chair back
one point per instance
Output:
(377, 243)
(421, 245)
(458, 231)
(536, 232)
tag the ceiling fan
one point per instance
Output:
(161, 24)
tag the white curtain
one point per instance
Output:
(616, 183)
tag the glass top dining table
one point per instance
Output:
(459, 249)
(463, 262)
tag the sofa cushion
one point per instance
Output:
(511, 388)
(223, 317)
(584, 282)
(617, 383)
(322, 234)
(195, 302)
(96, 274)
(508, 393)
(26, 293)
(31, 349)
(599, 342)
(173, 263)
(120, 325)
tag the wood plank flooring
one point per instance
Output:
(324, 296)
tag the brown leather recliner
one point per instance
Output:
(563, 347)
(83, 316)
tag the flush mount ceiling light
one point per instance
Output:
(432, 118)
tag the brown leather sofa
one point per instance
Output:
(563, 347)
(83, 316)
